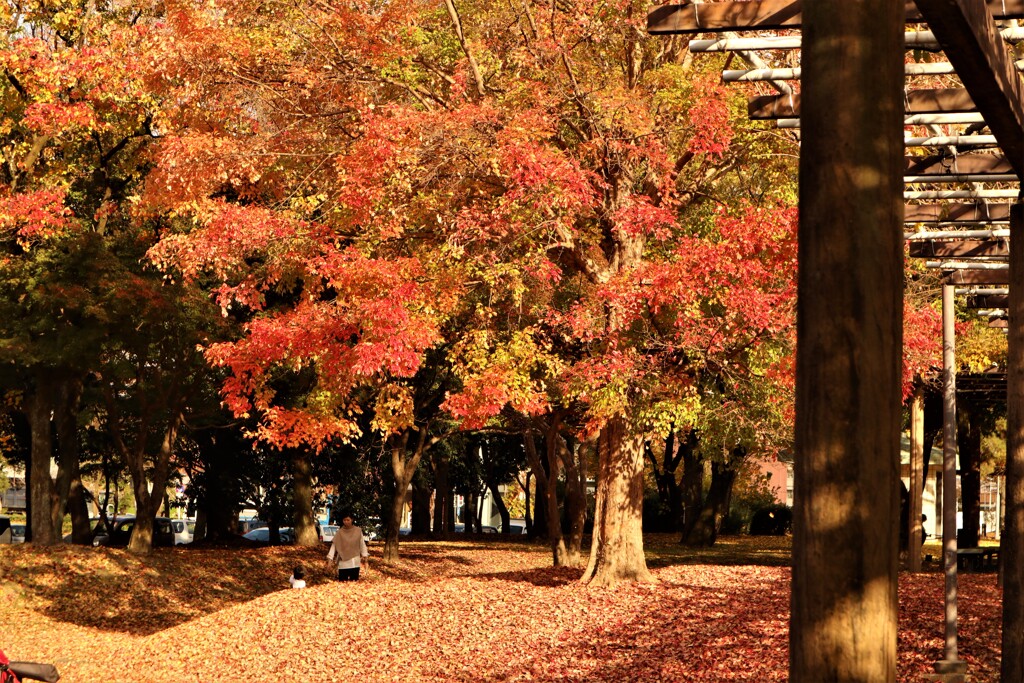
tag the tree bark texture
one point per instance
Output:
(575, 466)
(849, 344)
(302, 500)
(42, 492)
(539, 528)
(1013, 533)
(692, 482)
(559, 553)
(403, 466)
(706, 527)
(617, 550)
(419, 523)
(442, 494)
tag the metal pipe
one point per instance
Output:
(949, 469)
(957, 140)
(982, 291)
(967, 265)
(954, 235)
(960, 194)
(991, 312)
(911, 120)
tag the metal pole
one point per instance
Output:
(951, 663)
(917, 456)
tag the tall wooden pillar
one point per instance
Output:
(1012, 541)
(849, 325)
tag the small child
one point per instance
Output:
(297, 579)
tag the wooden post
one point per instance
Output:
(916, 481)
(849, 350)
(1012, 541)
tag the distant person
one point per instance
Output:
(298, 577)
(348, 550)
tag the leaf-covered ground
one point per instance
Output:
(459, 611)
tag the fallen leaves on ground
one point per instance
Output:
(460, 612)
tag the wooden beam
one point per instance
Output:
(768, 15)
(967, 213)
(967, 33)
(959, 248)
(988, 301)
(941, 101)
(1000, 323)
(962, 164)
(977, 277)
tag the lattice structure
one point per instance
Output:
(964, 158)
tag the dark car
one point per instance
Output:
(121, 532)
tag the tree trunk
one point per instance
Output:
(499, 502)
(442, 496)
(420, 520)
(969, 448)
(559, 553)
(41, 491)
(693, 483)
(575, 499)
(539, 528)
(302, 500)
(617, 552)
(843, 616)
(65, 413)
(704, 531)
(403, 469)
(147, 502)
(528, 511)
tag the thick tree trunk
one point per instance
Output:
(575, 500)
(403, 468)
(849, 345)
(704, 531)
(559, 553)
(420, 519)
(42, 492)
(617, 552)
(539, 528)
(693, 482)
(302, 500)
(442, 495)
(65, 414)
(147, 501)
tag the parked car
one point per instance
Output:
(262, 535)
(247, 525)
(327, 532)
(183, 530)
(121, 528)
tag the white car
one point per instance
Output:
(327, 532)
(262, 535)
(183, 530)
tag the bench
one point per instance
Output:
(978, 559)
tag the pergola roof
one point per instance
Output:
(957, 211)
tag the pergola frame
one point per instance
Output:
(966, 31)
